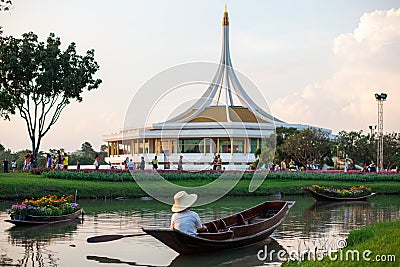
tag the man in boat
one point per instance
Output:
(184, 219)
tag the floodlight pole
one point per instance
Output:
(380, 98)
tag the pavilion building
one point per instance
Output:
(225, 120)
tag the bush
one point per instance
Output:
(125, 176)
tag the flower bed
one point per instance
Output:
(354, 191)
(49, 205)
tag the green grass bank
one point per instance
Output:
(375, 245)
(102, 185)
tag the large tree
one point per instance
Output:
(391, 150)
(38, 80)
(88, 150)
(359, 147)
(308, 146)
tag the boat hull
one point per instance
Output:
(323, 197)
(251, 231)
(39, 220)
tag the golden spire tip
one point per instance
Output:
(225, 21)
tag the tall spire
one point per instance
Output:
(225, 90)
(225, 20)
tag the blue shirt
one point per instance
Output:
(186, 221)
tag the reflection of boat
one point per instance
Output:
(241, 229)
(332, 204)
(42, 232)
(325, 197)
(38, 220)
(249, 256)
(255, 255)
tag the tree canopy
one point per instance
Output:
(38, 80)
(5, 5)
(308, 146)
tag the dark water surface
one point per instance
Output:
(307, 226)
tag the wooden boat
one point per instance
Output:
(29, 220)
(238, 230)
(325, 197)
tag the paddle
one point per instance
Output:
(107, 238)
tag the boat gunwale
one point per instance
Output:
(308, 189)
(61, 218)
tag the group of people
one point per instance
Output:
(29, 161)
(370, 168)
(130, 164)
(13, 165)
(217, 162)
(60, 161)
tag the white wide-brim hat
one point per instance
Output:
(182, 201)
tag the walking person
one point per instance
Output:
(78, 164)
(215, 161)
(142, 164)
(59, 160)
(131, 165)
(49, 161)
(65, 162)
(5, 162)
(27, 163)
(96, 162)
(219, 162)
(126, 161)
(32, 163)
(155, 163)
(180, 163)
(283, 165)
(14, 165)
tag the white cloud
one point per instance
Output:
(368, 63)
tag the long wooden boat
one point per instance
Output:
(325, 197)
(38, 220)
(238, 230)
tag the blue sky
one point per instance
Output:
(316, 62)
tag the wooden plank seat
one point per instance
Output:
(217, 236)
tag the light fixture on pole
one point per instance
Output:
(380, 98)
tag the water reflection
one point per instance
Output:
(246, 256)
(36, 239)
(115, 261)
(308, 225)
(324, 225)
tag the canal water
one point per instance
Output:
(309, 226)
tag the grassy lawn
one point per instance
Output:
(379, 243)
(25, 185)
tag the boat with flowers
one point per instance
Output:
(354, 193)
(45, 210)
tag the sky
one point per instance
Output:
(315, 62)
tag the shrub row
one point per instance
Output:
(188, 176)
